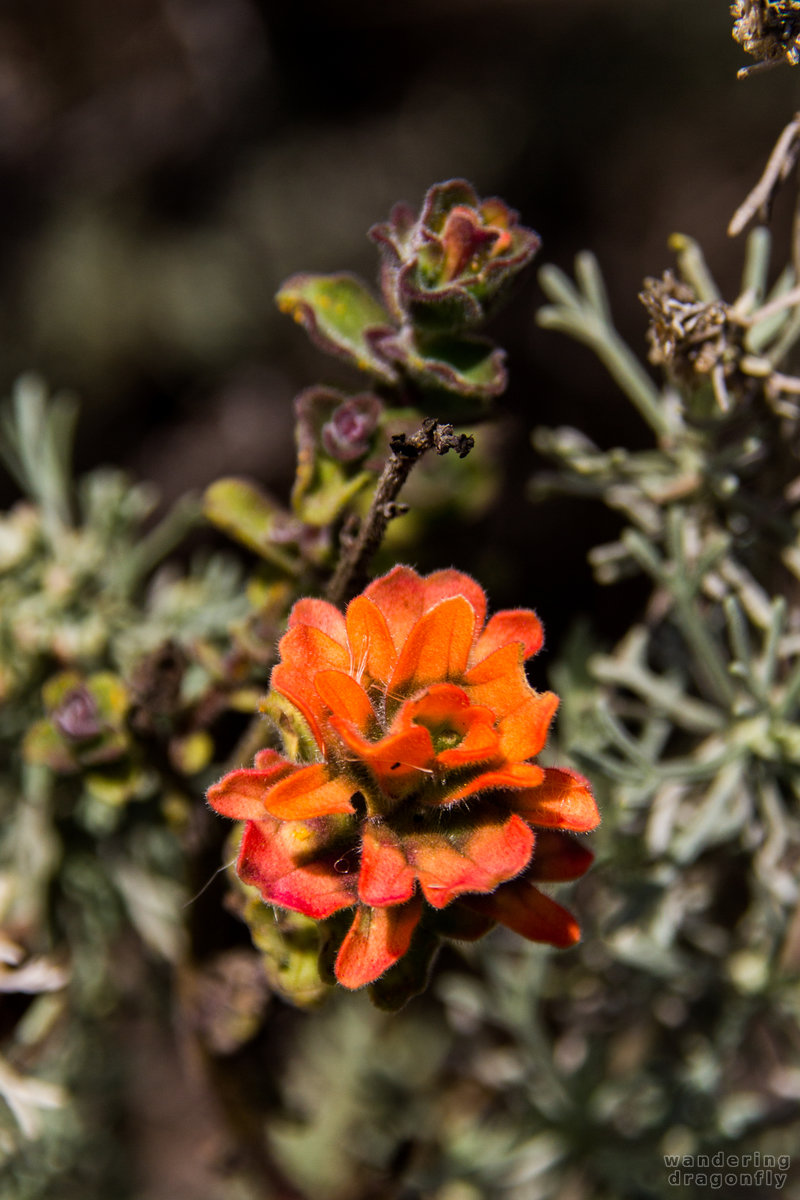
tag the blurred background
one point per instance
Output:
(165, 164)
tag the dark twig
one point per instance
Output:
(360, 542)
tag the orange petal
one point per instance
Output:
(512, 775)
(242, 794)
(527, 911)
(563, 800)
(310, 792)
(523, 731)
(398, 761)
(479, 744)
(558, 858)
(445, 706)
(319, 614)
(439, 705)
(286, 861)
(386, 876)
(345, 698)
(371, 645)
(400, 597)
(523, 715)
(265, 759)
(513, 625)
(299, 690)
(377, 938)
(310, 650)
(499, 680)
(441, 585)
(305, 651)
(437, 649)
(473, 858)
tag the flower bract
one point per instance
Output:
(447, 267)
(424, 810)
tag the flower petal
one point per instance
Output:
(345, 698)
(439, 705)
(242, 794)
(286, 861)
(557, 857)
(523, 731)
(479, 744)
(524, 715)
(371, 644)
(437, 649)
(265, 759)
(377, 938)
(310, 650)
(522, 907)
(441, 585)
(497, 680)
(474, 856)
(398, 761)
(319, 614)
(512, 775)
(512, 625)
(445, 707)
(386, 876)
(400, 597)
(310, 792)
(304, 651)
(562, 801)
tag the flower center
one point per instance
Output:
(445, 735)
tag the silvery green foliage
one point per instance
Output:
(691, 728)
(102, 655)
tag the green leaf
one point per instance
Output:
(289, 944)
(466, 367)
(339, 312)
(107, 748)
(58, 687)
(111, 696)
(192, 753)
(45, 746)
(245, 513)
(111, 789)
(331, 490)
(298, 740)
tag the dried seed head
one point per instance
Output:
(689, 337)
(769, 30)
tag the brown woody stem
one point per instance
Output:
(359, 542)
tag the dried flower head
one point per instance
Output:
(769, 30)
(694, 340)
(424, 796)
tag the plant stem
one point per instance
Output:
(779, 165)
(358, 546)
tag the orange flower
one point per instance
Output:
(424, 797)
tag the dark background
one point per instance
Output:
(165, 164)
